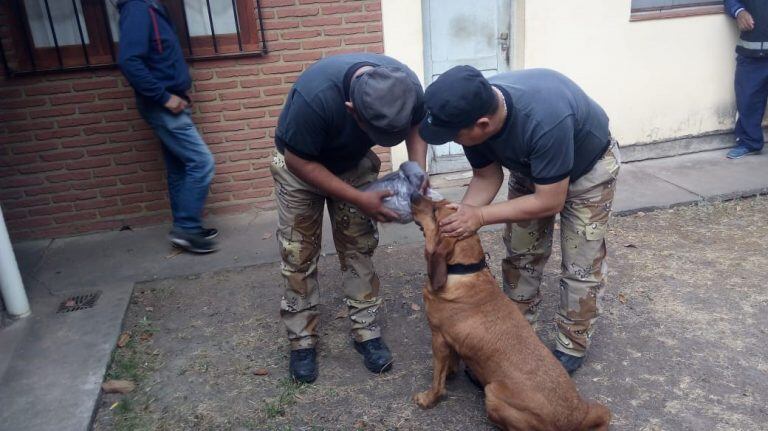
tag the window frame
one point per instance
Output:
(668, 12)
(101, 50)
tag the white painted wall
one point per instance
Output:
(658, 80)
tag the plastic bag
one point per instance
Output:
(402, 183)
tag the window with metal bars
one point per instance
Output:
(58, 35)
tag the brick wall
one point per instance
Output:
(76, 157)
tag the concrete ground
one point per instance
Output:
(52, 364)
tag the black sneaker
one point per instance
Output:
(303, 365)
(209, 233)
(376, 355)
(192, 242)
(570, 363)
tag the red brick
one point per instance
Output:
(48, 88)
(284, 46)
(259, 124)
(156, 206)
(58, 133)
(283, 68)
(74, 197)
(29, 223)
(372, 7)
(138, 198)
(68, 176)
(339, 31)
(229, 187)
(107, 128)
(244, 115)
(246, 136)
(300, 34)
(116, 94)
(280, 25)
(20, 182)
(132, 137)
(239, 94)
(274, 91)
(24, 103)
(321, 43)
(345, 8)
(26, 203)
(224, 127)
(302, 56)
(216, 85)
(6, 195)
(122, 116)
(34, 148)
(80, 120)
(251, 194)
(363, 17)
(297, 11)
(17, 160)
(201, 75)
(377, 49)
(11, 139)
(46, 190)
(121, 191)
(89, 163)
(101, 107)
(29, 125)
(53, 112)
(122, 210)
(114, 149)
(80, 216)
(63, 155)
(218, 107)
(83, 141)
(15, 215)
(40, 167)
(95, 204)
(231, 209)
(249, 155)
(17, 116)
(10, 93)
(240, 71)
(50, 210)
(99, 84)
(260, 82)
(260, 103)
(362, 40)
(141, 178)
(273, 3)
(373, 28)
(317, 1)
(94, 184)
(115, 171)
(72, 98)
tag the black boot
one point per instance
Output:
(570, 363)
(303, 365)
(376, 355)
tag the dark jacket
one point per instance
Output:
(751, 41)
(150, 54)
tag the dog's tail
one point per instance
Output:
(597, 419)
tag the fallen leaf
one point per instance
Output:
(622, 298)
(640, 214)
(145, 336)
(118, 386)
(630, 246)
(342, 314)
(260, 372)
(123, 340)
(114, 405)
(267, 235)
(415, 307)
(149, 309)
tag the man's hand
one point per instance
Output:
(372, 204)
(464, 222)
(176, 104)
(745, 21)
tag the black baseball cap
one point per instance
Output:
(456, 99)
(385, 98)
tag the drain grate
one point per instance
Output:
(79, 302)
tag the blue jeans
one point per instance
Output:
(187, 159)
(751, 86)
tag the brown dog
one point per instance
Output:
(471, 319)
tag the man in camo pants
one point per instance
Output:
(556, 143)
(336, 111)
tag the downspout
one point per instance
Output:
(11, 286)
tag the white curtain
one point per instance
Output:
(64, 22)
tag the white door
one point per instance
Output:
(457, 32)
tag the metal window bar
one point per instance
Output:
(20, 17)
(53, 33)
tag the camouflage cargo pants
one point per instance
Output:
(583, 222)
(300, 217)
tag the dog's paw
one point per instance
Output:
(425, 400)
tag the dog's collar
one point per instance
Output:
(462, 269)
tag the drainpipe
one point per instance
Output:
(12, 288)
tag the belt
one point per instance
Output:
(760, 46)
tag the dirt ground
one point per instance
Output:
(681, 344)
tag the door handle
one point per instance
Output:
(503, 40)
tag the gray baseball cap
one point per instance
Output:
(385, 99)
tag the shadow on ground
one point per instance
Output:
(680, 345)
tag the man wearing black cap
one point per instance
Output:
(337, 110)
(556, 143)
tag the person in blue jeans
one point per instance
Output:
(751, 82)
(152, 60)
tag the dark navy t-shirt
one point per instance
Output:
(315, 124)
(553, 129)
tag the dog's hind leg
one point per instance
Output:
(442, 358)
(501, 412)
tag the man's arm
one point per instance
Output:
(319, 176)
(484, 185)
(733, 7)
(135, 33)
(547, 200)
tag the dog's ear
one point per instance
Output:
(437, 261)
